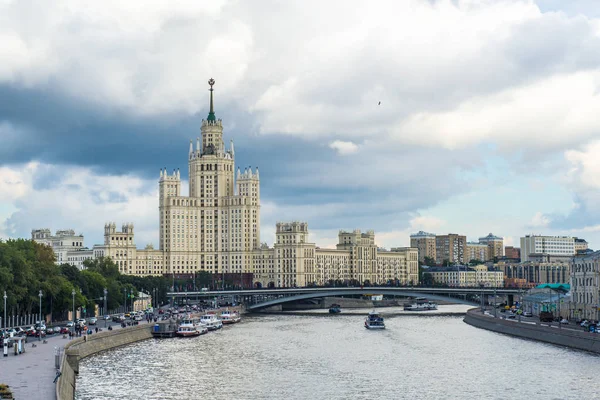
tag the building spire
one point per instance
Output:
(211, 114)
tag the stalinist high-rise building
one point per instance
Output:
(217, 229)
(217, 226)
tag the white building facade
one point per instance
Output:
(549, 245)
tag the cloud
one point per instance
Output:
(113, 91)
(532, 117)
(343, 148)
(77, 199)
(426, 223)
(539, 220)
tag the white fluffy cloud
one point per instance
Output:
(61, 197)
(446, 73)
(343, 148)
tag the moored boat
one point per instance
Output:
(211, 321)
(230, 317)
(374, 321)
(191, 327)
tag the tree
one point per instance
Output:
(427, 279)
(429, 261)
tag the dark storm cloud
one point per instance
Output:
(56, 130)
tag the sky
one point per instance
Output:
(448, 116)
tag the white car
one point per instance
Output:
(93, 320)
(70, 324)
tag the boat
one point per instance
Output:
(374, 321)
(230, 317)
(335, 309)
(211, 321)
(420, 304)
(191, 327)
(189, 331)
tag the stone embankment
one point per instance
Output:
(563, 337)
(81, 348)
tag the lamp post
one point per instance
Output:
(5, 297)
(40, 336)
(73, 327)
(125, 297)
(105, 310)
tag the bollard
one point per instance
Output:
(57, 357)
(5, 348)
(16, 348)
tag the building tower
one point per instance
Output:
(215, 228)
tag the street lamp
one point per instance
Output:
(73, 327)
(40, 294)
(5, 297)
(105, 310)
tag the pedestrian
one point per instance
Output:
(96, 329)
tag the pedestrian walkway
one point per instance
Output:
(30, 375)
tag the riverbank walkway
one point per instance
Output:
(31, 374)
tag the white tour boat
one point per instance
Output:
(230, 317)
(211, 322)
(420, 304)
(374, 321)
(191, 327)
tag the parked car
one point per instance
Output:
(106, 317)
(64, 330)
(527, 314)
(40, 332)
(49, 331)
(564, 321)
(70, 324)
(93, 321)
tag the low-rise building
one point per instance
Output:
(585, 286)
(513, 253)
(464, 276)
(535, 273)
(65, 243)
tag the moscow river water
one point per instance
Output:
(335, 357)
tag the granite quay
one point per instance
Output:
(534, 330)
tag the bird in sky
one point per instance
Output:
(379, 104)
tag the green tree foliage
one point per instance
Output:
(429, 261)
(26, 267)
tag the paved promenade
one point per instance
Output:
(30, 375)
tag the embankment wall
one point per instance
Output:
(79, 349)
(563, 337)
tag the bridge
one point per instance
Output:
(256, 299)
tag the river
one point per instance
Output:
(335, 357)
